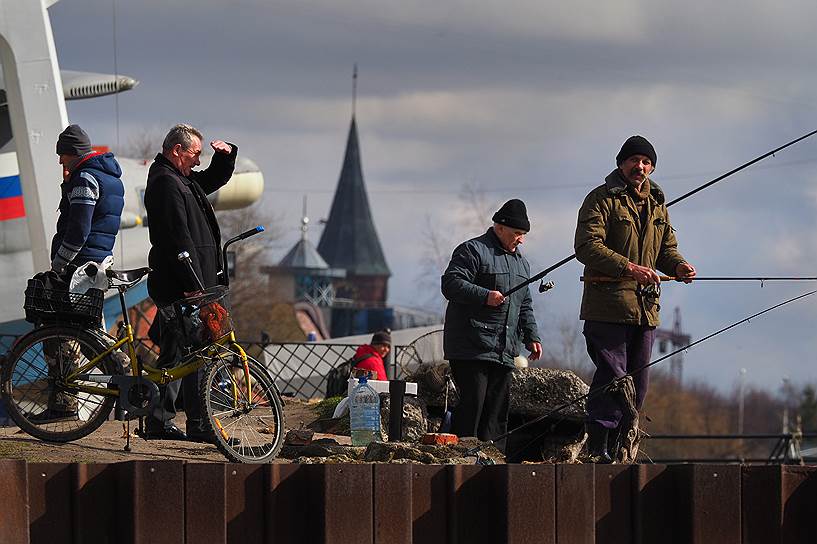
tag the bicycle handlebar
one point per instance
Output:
(244, 235)
(184, 256)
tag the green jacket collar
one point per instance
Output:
(616, 185)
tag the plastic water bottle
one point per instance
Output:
(364, 413)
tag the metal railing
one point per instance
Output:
(300, 369)
(786, 449)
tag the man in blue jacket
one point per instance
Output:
(91, 206)
(93, 197)
(484, 329)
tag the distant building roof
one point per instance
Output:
(303, 255)
(349, 239)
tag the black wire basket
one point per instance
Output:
(203, 319)
(44, 304)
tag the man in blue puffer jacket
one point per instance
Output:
(93, 197)
(91, 205)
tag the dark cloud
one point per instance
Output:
(528, 99)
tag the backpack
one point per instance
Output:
(337, 380)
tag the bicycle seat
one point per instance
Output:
(128, 276)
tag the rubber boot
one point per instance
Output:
(597, 443)
(613, 443)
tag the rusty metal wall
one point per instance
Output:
(176, 502)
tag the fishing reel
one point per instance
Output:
(651, 292)
(546, 286)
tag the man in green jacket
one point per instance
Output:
(623, 232)
(483, 328)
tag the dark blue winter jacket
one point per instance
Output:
(90, 210)
(473, 330)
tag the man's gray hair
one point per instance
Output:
(180, 134)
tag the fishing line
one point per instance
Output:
(602, 389)
(566, 260)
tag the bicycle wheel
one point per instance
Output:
(248, 428)
(35, 390)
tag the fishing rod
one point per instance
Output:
(680, 279)
(540, 275)
(604, 388)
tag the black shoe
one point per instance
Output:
(53, 415)
(167, 433)
(597, 443)
(205, 437)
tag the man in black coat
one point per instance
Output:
(180, 218)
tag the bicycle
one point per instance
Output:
(71, 359)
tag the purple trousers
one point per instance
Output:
(616, 349)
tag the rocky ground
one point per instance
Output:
(106, 444)
(318, 438)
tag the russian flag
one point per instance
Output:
(11, 198)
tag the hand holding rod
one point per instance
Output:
(185, 258)
(608, 279)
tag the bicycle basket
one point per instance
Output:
(204, 318)
(43, 303)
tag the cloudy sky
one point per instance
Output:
(527, 99)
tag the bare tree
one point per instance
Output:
(439, 240)
(248, 288)
(143, 144)
(564, 347)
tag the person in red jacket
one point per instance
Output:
(370, 356)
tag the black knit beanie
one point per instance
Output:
(381, 338)
(73, 141)
(513, 214)
(636, 145)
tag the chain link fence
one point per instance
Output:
(300, 369)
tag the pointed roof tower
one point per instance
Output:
(349, 239)
(303, 254)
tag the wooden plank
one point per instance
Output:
(204, 503)
(429, 499)
(477, 507)
(575, 504)
(14, 513)
(244, 509)
(531, 504)
(349, 504)
(715, 502)
(761, 504)
(49, 499)
(151, 499)
(96, 519)
(799, 496)
(294, 508)
(660, 512)
(392, 504)
(614, 508)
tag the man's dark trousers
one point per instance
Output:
(165, 410)
(484, 389)
(616, 349)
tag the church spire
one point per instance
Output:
(349, 239)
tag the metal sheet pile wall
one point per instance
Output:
(178, 502)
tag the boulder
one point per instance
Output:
(391, 452)
(538, 391)
(534, 391)
(414, 418)
(323, 448)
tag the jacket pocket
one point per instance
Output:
(619, 233)
(482, 335)
(494, 279)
